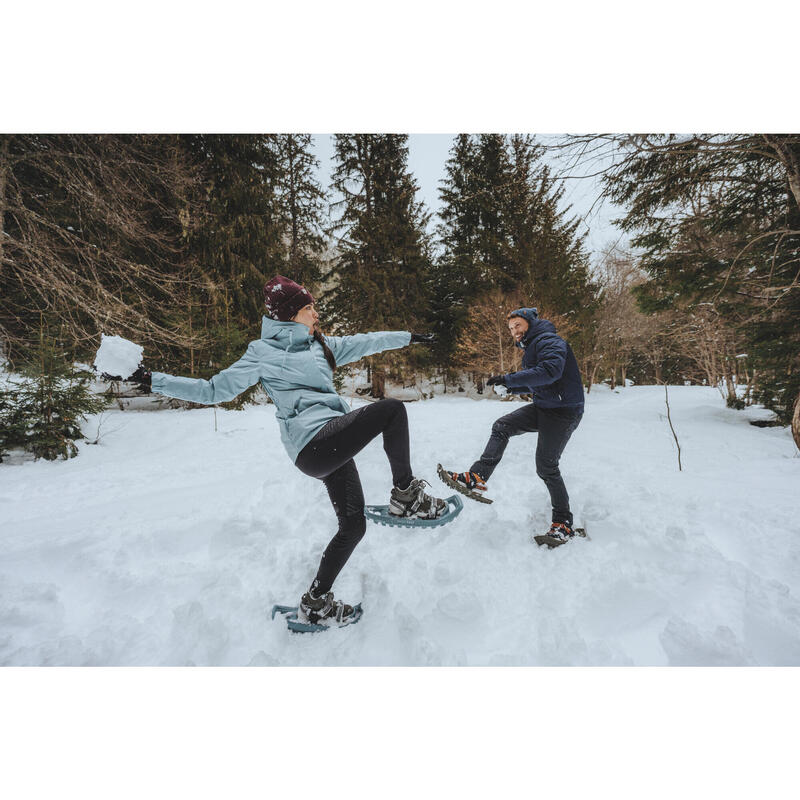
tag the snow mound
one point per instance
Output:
(117, 356)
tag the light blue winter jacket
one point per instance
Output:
(292, 369)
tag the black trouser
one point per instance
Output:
(555, 426)
(329, 457)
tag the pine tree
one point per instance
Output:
(236, 241)
(301, 202)
(501, 229)
(41, 411)
(474, 230)
(717, 218)
(13, 420)
(383, 255)
(380, 275)
(453, 273)
(548, 260)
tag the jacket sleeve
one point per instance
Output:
(350, 348)
(552, 352)
(222, 387)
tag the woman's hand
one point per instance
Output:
(142, 377)
(423, 338)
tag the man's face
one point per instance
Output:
(518, 327)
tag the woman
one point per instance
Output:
(295, 365)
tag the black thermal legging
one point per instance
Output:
(329, 457)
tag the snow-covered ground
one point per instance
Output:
(169, 542)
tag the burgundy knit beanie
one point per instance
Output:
(284, 298)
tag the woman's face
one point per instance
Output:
(307, 315)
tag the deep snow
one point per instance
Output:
(169, 542)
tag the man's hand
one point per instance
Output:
(500, 390)
(496, 380)
(423, 338)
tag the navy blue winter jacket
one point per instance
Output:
(549, 369)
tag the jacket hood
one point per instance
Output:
(536, 326)
(530, 314)
(284, 333)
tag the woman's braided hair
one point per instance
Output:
(329, 357)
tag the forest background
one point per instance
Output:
(168, 240)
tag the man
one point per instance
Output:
(550, 373)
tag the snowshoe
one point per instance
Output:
(414, 502)
(383, 515)
(468, 483)
(559, 533)
(318, 613)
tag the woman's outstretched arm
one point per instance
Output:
(350, 348)
(222, 387)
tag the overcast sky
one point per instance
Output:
(428, 154)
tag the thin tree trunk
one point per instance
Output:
(592, 377)
(191, 336)
(671, 427)
(378, 384)
(364, 154)
(293, 206)
(796, 422)
(500, 345)
(3, 182)
(790, 161)
(730, 386)
(751, 381)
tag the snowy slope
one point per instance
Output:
(168, 543)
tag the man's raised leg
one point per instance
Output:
(523, 420)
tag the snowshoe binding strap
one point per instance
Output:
(413, 501)
(470, 479)
(317, 609)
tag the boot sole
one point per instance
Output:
(552, 542)
(459, 487)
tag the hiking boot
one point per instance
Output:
(559, 533)
(324, 608)
(469, 480)
(468, 483)
(415, 502)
